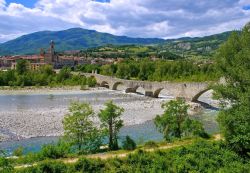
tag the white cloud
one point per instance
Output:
(136, 18)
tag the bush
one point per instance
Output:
(91, 81)
(61, 149)
(51, 167)
(89, 166)
(129, 144)
(5, 165)
(151, 144)
(18, 152)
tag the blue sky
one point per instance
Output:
(246, 7)
(26, 3)
(134, 18)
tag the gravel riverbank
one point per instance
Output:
(26, 113)
(24, 118)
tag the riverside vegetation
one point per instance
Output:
(159, 70)
(229, 155)
(44, 76)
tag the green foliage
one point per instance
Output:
(89, 166)
(91, 81)
(202, 156)
(5, 165)
(88, 68)
(128, 144)
(151, 144)
(22, 67)
(64, 74)
(46, 167)
(122, 71)
(161, 70)
(44, 76)
(79, 128)
(175, 123)
(60, 150)
(18, 152)
(110, 118)
(108, 70)
(233, 61)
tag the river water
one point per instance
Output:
(31, 114)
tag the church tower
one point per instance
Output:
(52, 50)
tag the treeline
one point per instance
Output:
(44, 76)
(128, 51)
(159, 70)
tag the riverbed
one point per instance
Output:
(31, 118)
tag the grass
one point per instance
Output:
(162, 146)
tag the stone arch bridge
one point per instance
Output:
(190, 91)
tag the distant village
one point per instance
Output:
(51, 57)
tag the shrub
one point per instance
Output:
(5, 165)
(18, 152)
(51, 167)
(151, 144)
(61, 149)
(91, 81)
(129, 144)
(89, 166)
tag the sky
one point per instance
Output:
(134, 18)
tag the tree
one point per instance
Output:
(174, 122)
(65, 73)
(129, 144)
(110, 118)
(22, 66)
(123, 71)
(233, 61)
(79, 127)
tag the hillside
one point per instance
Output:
(197, 46)
(81, 39)
(71, 39)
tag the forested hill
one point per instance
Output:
(78, 39)
(71, 39)
(197, 46)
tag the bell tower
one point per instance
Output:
(52, 50)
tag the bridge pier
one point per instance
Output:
(149, 93)
(130, 90)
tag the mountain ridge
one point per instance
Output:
(76, 39)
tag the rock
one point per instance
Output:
(194, 108)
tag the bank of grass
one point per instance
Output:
(61, 152)
(190, 155)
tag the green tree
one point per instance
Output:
(22, 66)
(129, 144)
(123, 71)
(79, 127)
(175, 123)
(65, 73)
(233, 61)
(18, 152)
(111, 120)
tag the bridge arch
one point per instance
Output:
(157, 92)
(116, 84)
(196, 97)
(132, 90)
(104, 84)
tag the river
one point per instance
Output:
(26, 115)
